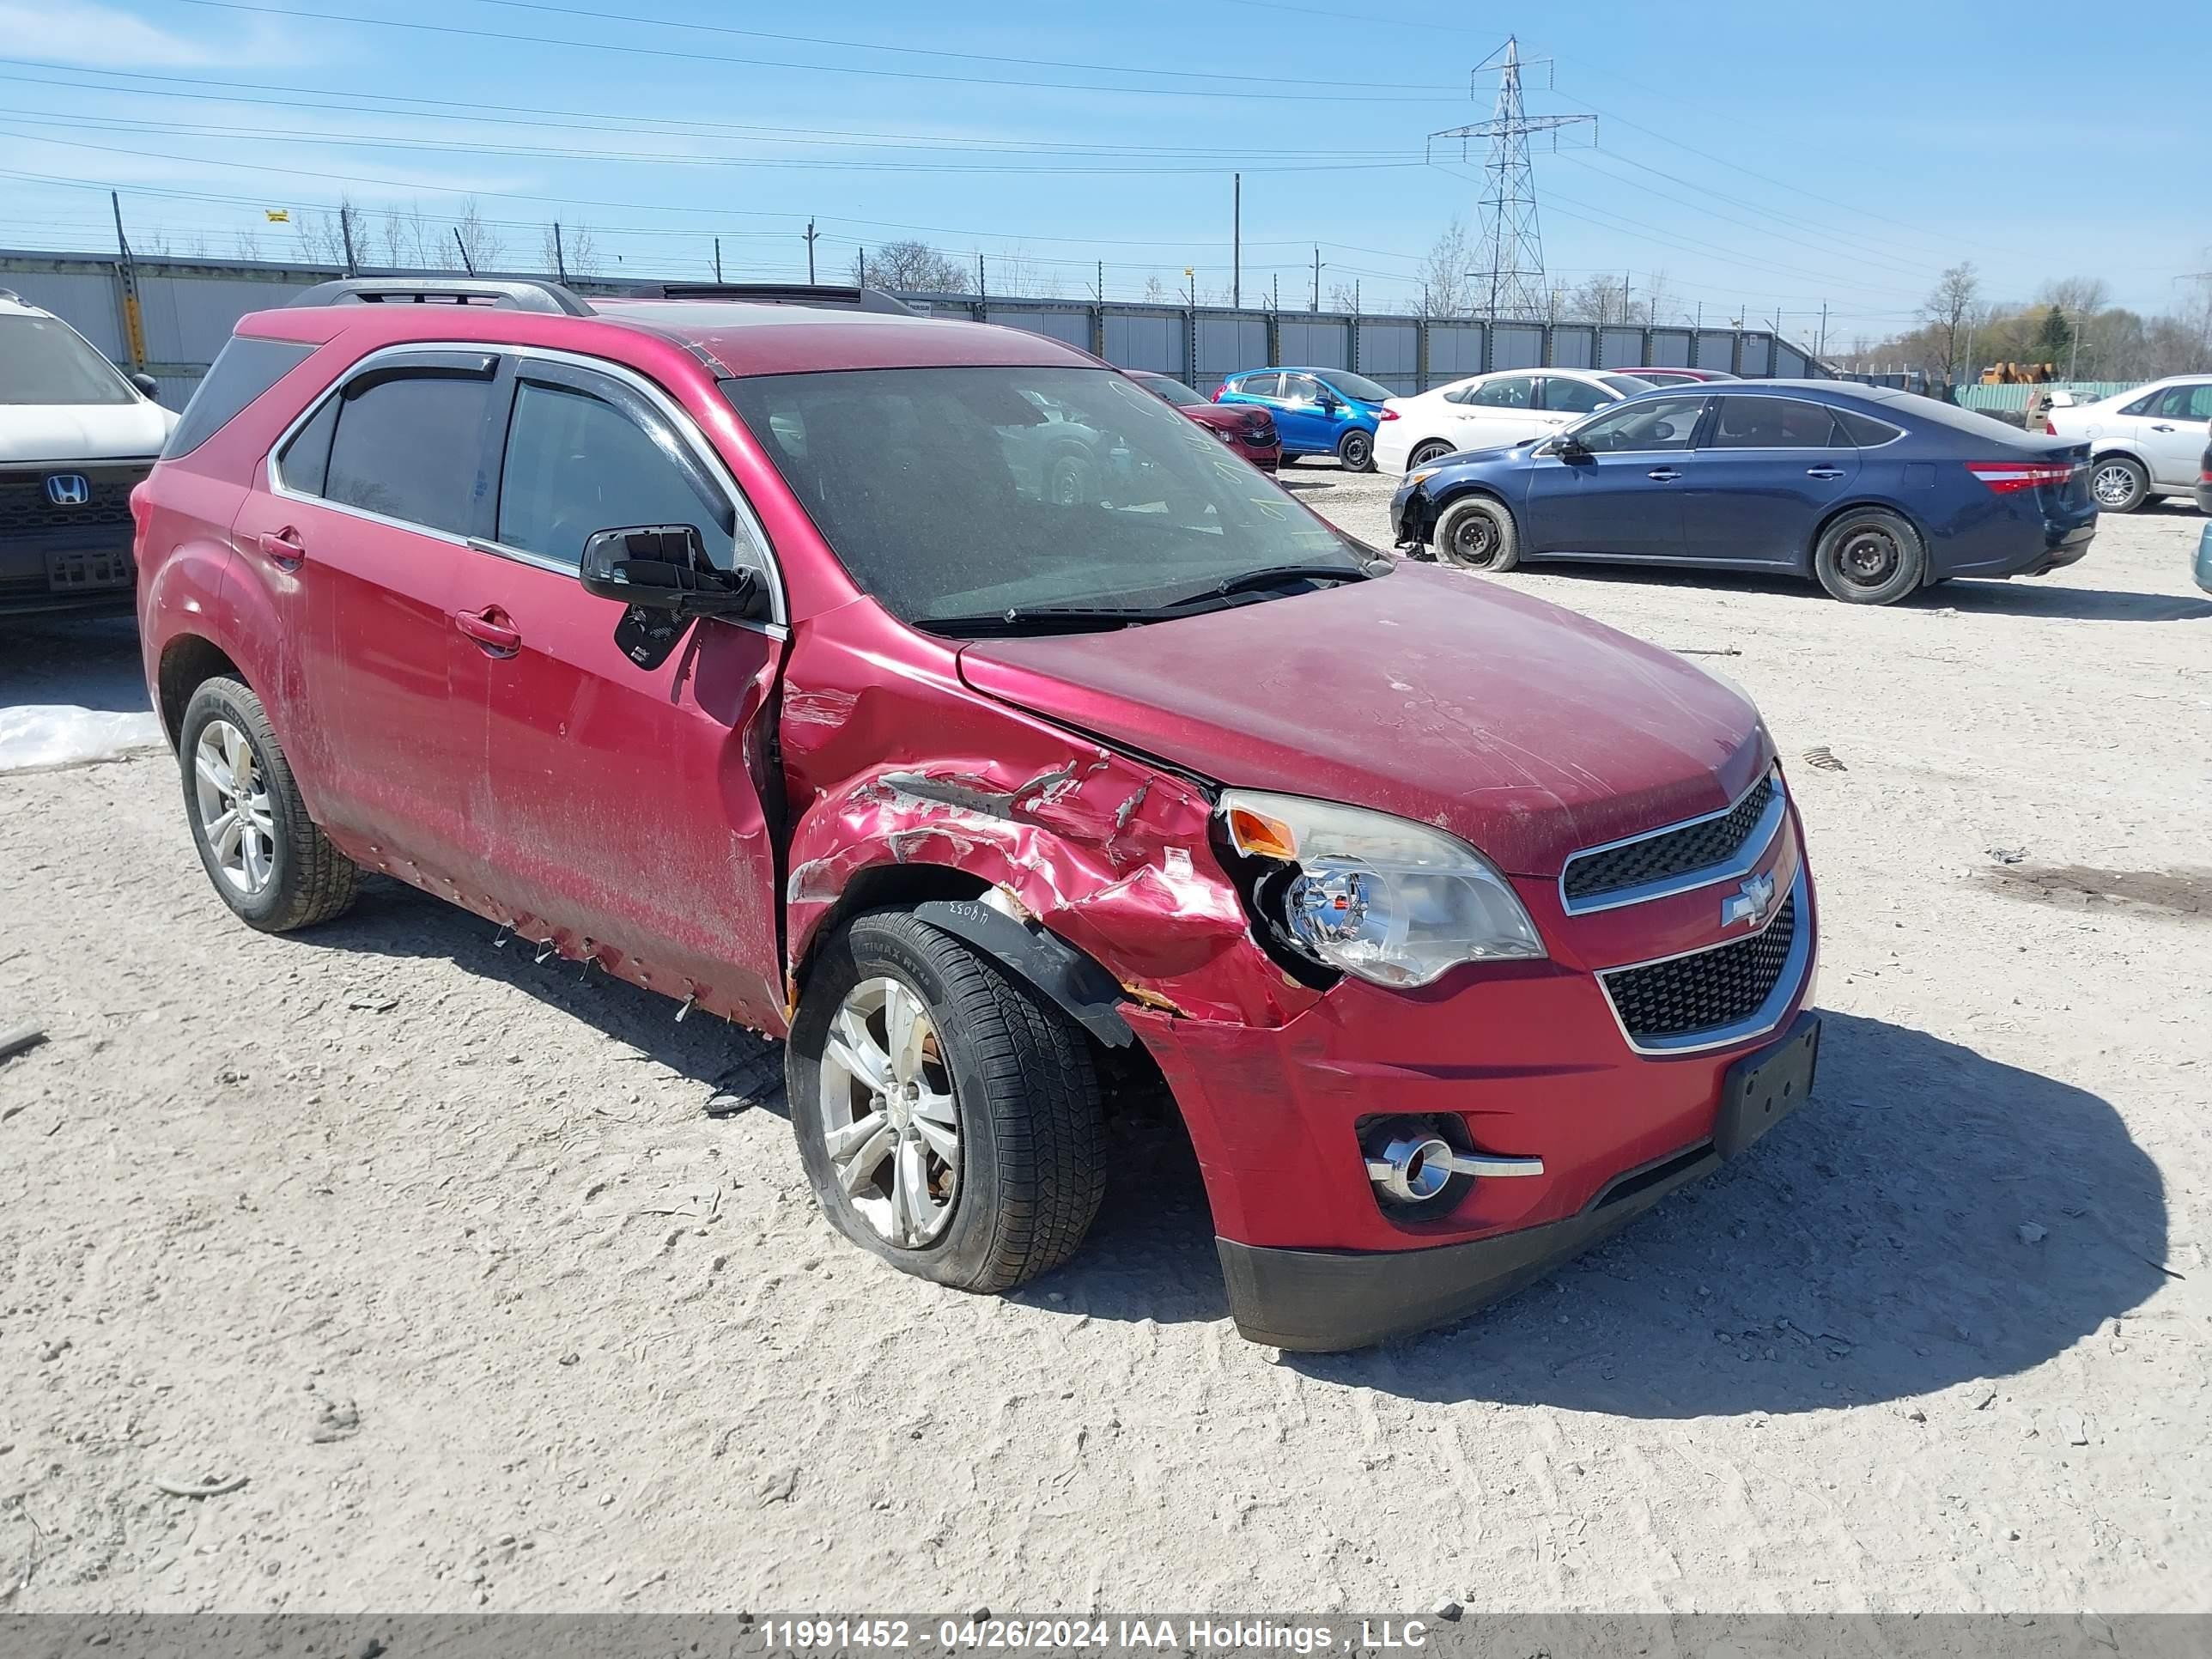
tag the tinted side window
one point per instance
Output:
(1650, 424)
(304, 464)
(1864, 430)
(1775, 423)
(2187, 403)
(1575, 397)
(2141, 406)
(1508, 392)
(576, 464)
(1260, 385)
(409, 445)
(1301, 389)
(243, 370)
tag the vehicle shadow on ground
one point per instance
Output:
(91, 663)
(2024, 598)
(392, 919)
(1870, 1249)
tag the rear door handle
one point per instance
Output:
(488, 629)
(1663, 474)
(284, 546)
(1824, 472)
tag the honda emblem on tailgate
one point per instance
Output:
(1749, 902)
(67, 489)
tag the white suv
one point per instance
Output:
(2145, 441)
(1502, 407)
(75, 436)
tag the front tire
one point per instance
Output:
(269, 861)
(1477, 532)
(1869, 556)
(947, 1115)
(2118, 483)
(1355, 451)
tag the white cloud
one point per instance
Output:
(101, 37)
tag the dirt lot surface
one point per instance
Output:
(434, 1246)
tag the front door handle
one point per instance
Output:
(1663, 474)
(490, 629)
(2161, 426)
(284, 546)
(1824, 472)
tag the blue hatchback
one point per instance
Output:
(1318, 411)
(1872, 492)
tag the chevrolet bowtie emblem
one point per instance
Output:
(1749, 902)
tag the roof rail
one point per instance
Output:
(517, 294)
(782, 293)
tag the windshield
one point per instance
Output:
(1173, 392)
(953, 493)
(1358, 385)
(45, 361)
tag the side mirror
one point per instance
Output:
(664, 567)
(1574, 449)
(146, 384)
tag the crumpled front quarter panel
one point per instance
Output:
(892, 759)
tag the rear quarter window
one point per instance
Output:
(1864, 430)
(244, 369)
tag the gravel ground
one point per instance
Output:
(433, 1245)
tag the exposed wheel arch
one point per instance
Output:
(1812, 542)
(188, 662)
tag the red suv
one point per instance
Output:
(756, 648)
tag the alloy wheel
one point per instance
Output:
(2113, 484)
(889, 1116)
(235, 815)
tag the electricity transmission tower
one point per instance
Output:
(1512, 244)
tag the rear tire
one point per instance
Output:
(1477, 532)
(2118, 483)
(1869, 556)
(1355, 451)
(268, 861)
(1028, 1170)
(1434, 450)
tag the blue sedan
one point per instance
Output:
(1872, 492)
(1318, 411)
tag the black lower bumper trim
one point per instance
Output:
(1325, 1301)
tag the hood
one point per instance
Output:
(82, 431)
(1528, 731)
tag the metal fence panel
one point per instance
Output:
(1455, 352)
(1716, 349)
(1151, 340)
(1518, 345)
(1670, 348)
(1071, 327)
(1226, 344)
(1573, 346)
(1757, 355)
(1391, 353)
(1791, 363)
(1623, 347)
(88, 300)
(1308, 343)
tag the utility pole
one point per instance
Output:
(1237, 243)
(345, 230)
(810, 253)
(560, 252)
(126, 268)
(467, 263)
(718, 258)
(1315, 305)
(1512, 242)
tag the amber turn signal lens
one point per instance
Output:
(1257, 836)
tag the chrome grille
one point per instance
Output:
(1675, 851)
(1708, 990)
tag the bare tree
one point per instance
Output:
(249, 245)
(1953, 312)
(1446, 279)
(407, 237)
(322, 234)
(1155, 291)
(1344, 296)
(474, 236)
(573, 250)
(917, 267)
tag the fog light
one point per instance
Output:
(1410, 1164)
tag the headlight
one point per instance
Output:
(1423, 475)
(1395, 902)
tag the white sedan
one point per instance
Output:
(1502, 407)
(2144, 442)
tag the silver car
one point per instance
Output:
(2145, 441)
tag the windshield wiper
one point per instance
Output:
(1045, 619)
(1253, 581)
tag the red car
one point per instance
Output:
(1245, 427)
(738, 646)
(1680, 376)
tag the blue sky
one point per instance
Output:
(1759, 156)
